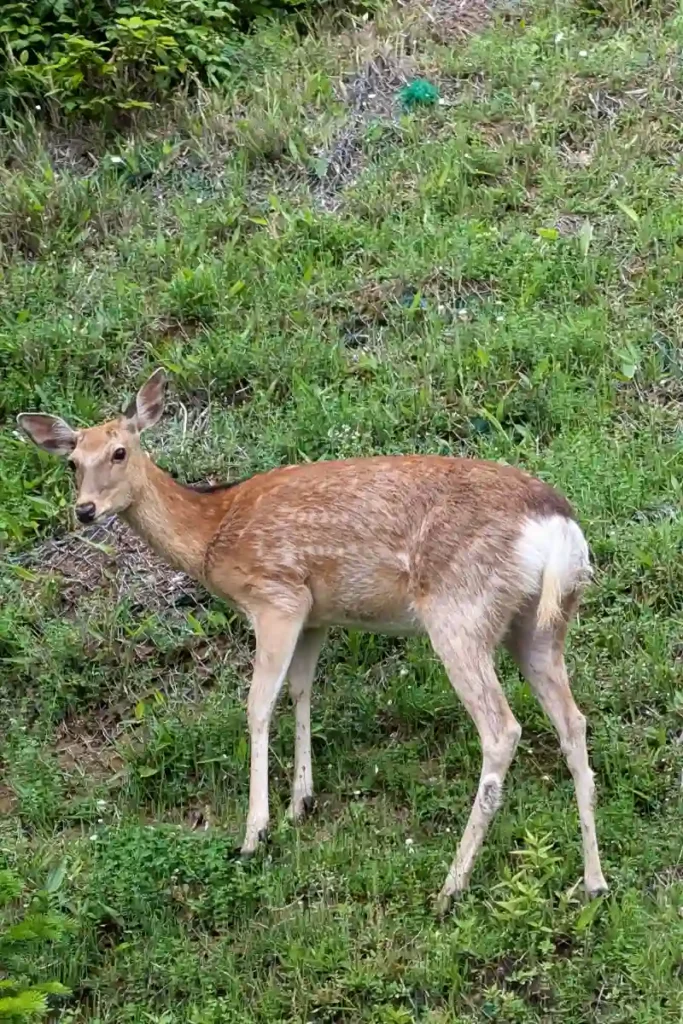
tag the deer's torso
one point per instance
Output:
(360, 542)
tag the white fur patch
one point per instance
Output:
(554, 543)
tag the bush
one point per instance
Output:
(97, 57)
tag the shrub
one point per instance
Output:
(97, 57)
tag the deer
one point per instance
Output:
(474, 554)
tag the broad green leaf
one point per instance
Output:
(585, 237)
(628, 210)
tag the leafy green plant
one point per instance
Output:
(99, 57)
(20, 999)
(522, 897)
(176, 870)
(193, 294)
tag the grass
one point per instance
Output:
(497, 276)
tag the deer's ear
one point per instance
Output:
(147, 407)
(49, 432)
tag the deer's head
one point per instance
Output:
(106, 459)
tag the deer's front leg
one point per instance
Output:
(276, 639)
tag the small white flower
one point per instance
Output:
(101, 804)
(559, 37)
(583, 53)
(116, 159)
(199, 200)
(38, 107)
(93, 838)
(500, 319)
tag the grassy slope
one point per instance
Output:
(538, 214)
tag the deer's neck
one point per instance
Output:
(175, 521)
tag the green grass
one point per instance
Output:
(499, 276)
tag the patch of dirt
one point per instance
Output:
(8, 800)
(195, 817)
(667, 394)
(576, 153)
(632, 270)
(361, 311)
(589, 96)
(110, 556)
(449, 20)
(371, 95)
(508, 974)
(668, 878)
(497, 133)
(452, 291)
(569, 224)
(87, 750)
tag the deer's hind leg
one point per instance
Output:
(466, 642)
(540, 656)
(300, 675)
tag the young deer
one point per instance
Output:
(471, 553)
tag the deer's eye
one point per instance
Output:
(119, 455)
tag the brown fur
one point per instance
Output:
(359, 539)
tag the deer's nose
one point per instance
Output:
(85, 513)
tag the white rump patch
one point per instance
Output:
(557, 544)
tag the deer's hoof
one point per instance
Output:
(596, 890)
